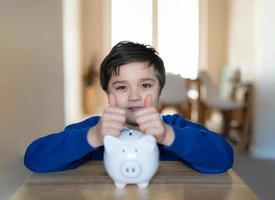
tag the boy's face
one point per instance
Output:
(134, 82)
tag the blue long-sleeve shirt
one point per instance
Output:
(201, 149)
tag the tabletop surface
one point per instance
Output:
(174, 180)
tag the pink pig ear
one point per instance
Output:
(110, 142)
(148, 141)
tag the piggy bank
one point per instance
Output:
(131, 158)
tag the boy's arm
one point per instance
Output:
(60, 151)
(204, 150)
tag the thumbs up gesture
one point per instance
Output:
(111, 122)
(150, 122)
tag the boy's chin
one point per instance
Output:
(132, 122)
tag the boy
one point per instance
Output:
(132, 75)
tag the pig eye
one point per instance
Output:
(123, 150)
(130, 133)
(136, 150)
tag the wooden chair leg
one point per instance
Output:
(245, 131)
(184, 110)
(189, 110)
(226, 122)
(201, 113)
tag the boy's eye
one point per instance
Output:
(122, 87)
(146, 85)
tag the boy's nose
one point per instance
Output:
(134, 96)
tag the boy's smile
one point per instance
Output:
(131, 85)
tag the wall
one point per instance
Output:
(71, 26)
(264, 140)
(31, 82)
(241, 47)
(96, 41)
(213, 36)
(251, 47)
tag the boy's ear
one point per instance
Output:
(110, 142)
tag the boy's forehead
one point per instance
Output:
(135, 69)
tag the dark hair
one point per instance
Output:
(126, 52)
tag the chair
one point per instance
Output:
(236, 115)
(174, 94)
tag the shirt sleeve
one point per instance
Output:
(61, 151)
(204, 150)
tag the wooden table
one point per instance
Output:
(174, 180)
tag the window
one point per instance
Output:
(178, 33)
(177, 30)
(132, 20)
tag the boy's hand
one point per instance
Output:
(110, 123)
(150, 122)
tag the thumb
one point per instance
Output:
(112, 100)
(148, 102)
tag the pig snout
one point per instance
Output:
(130, 169)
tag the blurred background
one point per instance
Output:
(219, 55)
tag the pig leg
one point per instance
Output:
(143, 184)
(120, 185)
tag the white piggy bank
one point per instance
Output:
(131, 158)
